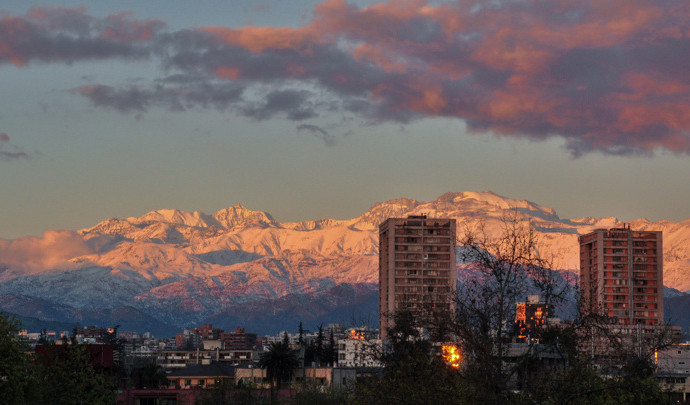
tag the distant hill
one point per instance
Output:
(53, 316)
(35, 325)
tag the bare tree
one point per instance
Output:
(500, 271)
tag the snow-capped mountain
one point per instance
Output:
(186, 267)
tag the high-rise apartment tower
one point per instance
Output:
(416, 268)
(621, 275)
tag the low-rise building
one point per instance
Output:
(187, 340)
(238, 340)
(333, 377)
(208, 332)
(673, 370)
(202, 376)
(175, 359)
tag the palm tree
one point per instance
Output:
(279, 362)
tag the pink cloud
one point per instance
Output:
(259, 39)
(604, 76)
(53, 249)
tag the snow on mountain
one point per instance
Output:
(182, 267)
(396, 208)
(173, 216)
(239, 216)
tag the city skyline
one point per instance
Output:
(319, 109)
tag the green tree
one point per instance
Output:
(149, 375)
(412, 374)
(579, 381)
(280, 362)
(66, 376)
(312, 394)
(109, 337)
(15, 380)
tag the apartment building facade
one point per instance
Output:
(417, 269)
(621, 275)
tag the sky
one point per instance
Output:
(319, 109)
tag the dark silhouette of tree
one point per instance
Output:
(43, 337)
(319, 347)
(501, 269)
(15, 379)
(149, 375)
(109, 337)
(310, 354)
(66, 376)
(412, 375)
(225, 392)
(279, 362)
(313, 394)
(315, 351)
(300, 334)
(580, 380)
(331, 351)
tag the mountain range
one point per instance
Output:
(170, 269)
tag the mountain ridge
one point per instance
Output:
(182, 267)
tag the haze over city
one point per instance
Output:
(310, 109)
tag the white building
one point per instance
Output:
(359, 352)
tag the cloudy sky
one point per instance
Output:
(312, 109)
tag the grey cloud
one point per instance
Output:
(294, 104)
(9, 152)
(176, 98)
(8, 156)
(314, 130)
(56, 35)
(123, 100)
